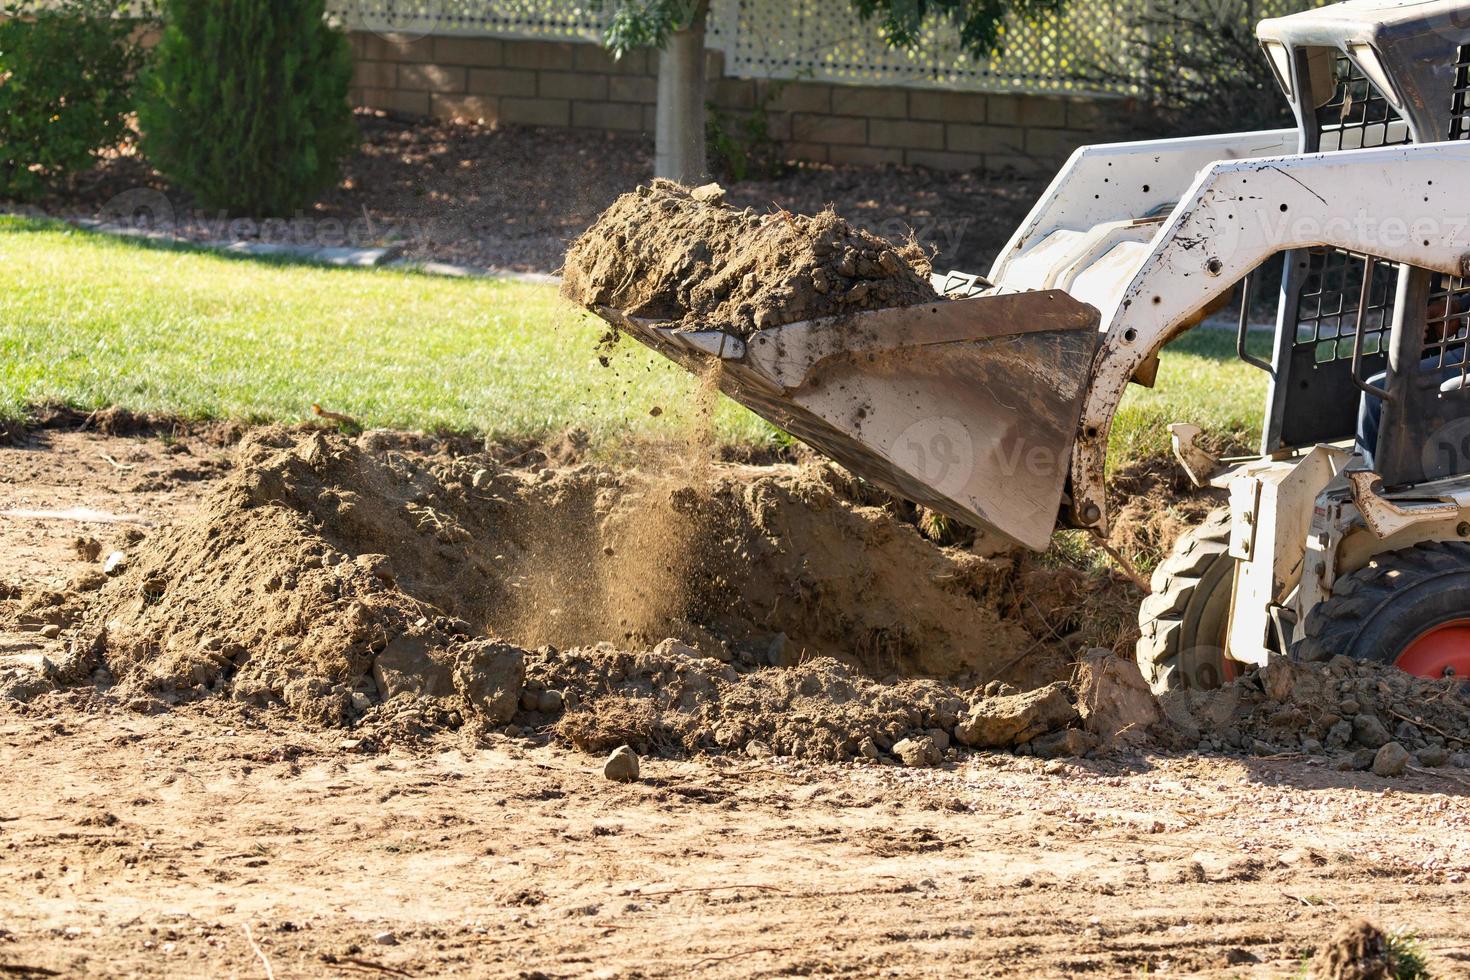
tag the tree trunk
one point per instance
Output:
(679, 151)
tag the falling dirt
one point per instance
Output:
(670, 254)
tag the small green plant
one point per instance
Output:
(741, 145)
(1406, 956)
(66, 72)
(245, 106)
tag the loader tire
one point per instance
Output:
(1182, 624)
(1409, 608)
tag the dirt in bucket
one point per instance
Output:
(668, 253)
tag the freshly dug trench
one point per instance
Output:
(670, 254)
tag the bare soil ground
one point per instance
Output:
(140, 839)
(138, 845)
(515, 197)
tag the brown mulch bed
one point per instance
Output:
(513, 198)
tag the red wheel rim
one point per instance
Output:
(1440, 651)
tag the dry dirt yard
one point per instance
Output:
(217, 838)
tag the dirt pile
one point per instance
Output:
(667, 253)
(1358, 950)
(1344, 707)
(671, 701)
(331, 575)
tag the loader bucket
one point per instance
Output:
(969, 407)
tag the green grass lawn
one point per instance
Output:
(90, 321)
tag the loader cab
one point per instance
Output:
(1353, 331)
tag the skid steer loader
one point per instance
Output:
(994, 404)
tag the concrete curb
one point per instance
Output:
(338, 256)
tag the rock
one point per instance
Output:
(1432, 756)
(757, 749)
(1369, 732)
(488, 674)
(1016, 719)
(1348, 707)
(1240, 957)
(549, 702)
(1310, 746)
(622, 765)
(708, 193)
(1278, 679)
(89, 580)
(1460, 760)
(919, 752)
(408, 665)
(1177, 711)
(386, 939)
(1113, 699)
(940, 738)
(530, 700)
(50, 631)
(868, 748)
(116, 564)
(24, 685)
(1391, 760)
(1340, 734)
(1067, 743)
(361, 702)
(671, 647)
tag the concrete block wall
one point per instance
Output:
(548, 83)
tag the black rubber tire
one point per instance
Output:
(1377, 611)
(1183, 623)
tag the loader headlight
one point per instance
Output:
(1280, 57)
(1369, 63)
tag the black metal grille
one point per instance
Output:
(1327, 310)
(1447, 337)
(1460, 108)
(1357, 115)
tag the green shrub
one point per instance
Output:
(245, 105)
(66, 73)
(1197, 70)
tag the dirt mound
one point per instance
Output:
(1344, 707)
(672, 701)
(321, 558)
(667, 253)
(1359, 950)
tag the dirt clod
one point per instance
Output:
(622, 765)
(1358, 950)
(1391, 760)
(670, 254)
(1016, 719)
(920, 752)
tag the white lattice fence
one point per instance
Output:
(824, 40)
